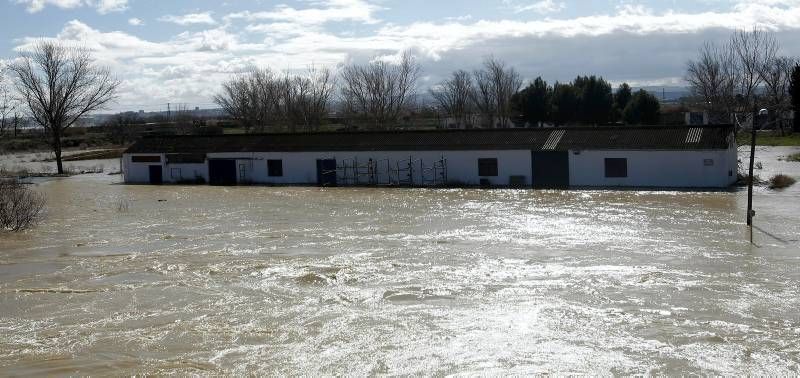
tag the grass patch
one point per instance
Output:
(781, 182)
(794, 157)
(769, 140)
(95, 155)
(744, 180)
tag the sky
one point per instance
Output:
(180, 51)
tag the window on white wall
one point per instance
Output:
(275, 168)
(487, 167)
(616, 168)
(146, 159)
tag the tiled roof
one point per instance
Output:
(549, 139)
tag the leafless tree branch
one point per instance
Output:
(58, 85)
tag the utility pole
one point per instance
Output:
(751, 179)
(169, 113)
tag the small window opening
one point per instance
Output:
(616, 168)
(487, 167)
(275, 168)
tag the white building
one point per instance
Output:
(671, 157)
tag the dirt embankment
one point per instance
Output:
(114, 153)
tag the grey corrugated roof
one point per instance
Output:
(560, 139)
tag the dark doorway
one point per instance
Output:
(326, 172)
(156, 175)
(222, 172)
(550, 169)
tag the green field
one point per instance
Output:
(770, 140)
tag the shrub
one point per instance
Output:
(744, 180)
(781, 181)
(20, 207)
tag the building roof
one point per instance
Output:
(544, 139)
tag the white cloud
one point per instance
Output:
(326, 11)
(541, 7)
(102, 6)
(631, 44)
(107, 6)
(135, 22)
(203, 18)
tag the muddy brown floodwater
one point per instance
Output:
(207, 280)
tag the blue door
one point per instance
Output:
(156, 175)
(222, 172)
(550, 169)
(326, 172)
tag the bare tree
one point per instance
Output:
(380, 90)
(260, 99)
(506, 81)
(752, 51)
(8, 104)
(20, 207)
(714, 77)
(120, 127)
(317, 88)
(495, 85)
(184, 119)
(454, 96)
(246, 98)
(59, 85)
(777, 76)
(483, 97)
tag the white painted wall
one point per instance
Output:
(300, 168)
(676, 169)
(139, 173)
(587, 169)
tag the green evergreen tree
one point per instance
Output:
(596, 99)
(534, 102)
(621, 100)
(643, 109)
(565, 104)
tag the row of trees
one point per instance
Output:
(379, 92)
(261, 97)
(586, 100)
(486, 93)
(742, 77)
(376, 93)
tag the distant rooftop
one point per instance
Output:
(543, 139)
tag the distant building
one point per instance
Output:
(674, 156)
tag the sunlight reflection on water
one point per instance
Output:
(369, 281)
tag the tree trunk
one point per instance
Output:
(59, 163)
(57, 150)
(797, 121)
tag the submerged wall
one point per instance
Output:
(300, 168)
(679, 169)
(689, 169)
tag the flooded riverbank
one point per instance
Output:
(140, 279)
